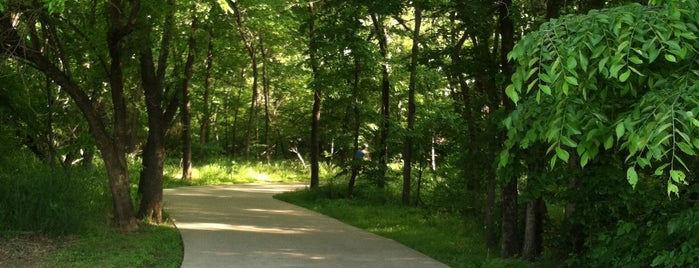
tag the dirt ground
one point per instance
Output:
(27, 250)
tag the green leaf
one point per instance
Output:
(602, 64)
(678, 176)
(622, 45)
(545, 77)
(609, 143)
(620, 130)
(562, 154)
(653, 54)
(670, 58)
(614, 71)
(571, 80)
(504, 158)
(624, 76)
(632, 176)
(583, 60)
(511, 93)
(686, 148)
(635, 60)
(584, 159)
(568, 142)
(546, 89)
(571, 63)
(672, 189)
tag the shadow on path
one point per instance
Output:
(243, 226)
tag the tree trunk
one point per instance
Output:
(150, 187)
(205, 128)
(533, 230)
(385, 100)
(315, 116)
(252, 115)
(510, 237)
(355, 130)
(185, 110)
(234, 133)
(408, 144)
(265, 92)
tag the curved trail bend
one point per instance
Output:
(243, 226)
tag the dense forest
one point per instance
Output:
(568, 127)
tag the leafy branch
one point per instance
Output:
(650, 101)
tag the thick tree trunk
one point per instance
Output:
(150, 187)
(385, 100)
(408, 144)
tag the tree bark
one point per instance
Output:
(355, 130)
(205, 129)
(534, 215)
(385, 100)
(265, 93)
(315, 116)
(408, 144)
(185, 110)
(510, 237)
(150, 187)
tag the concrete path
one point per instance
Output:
(243, 226)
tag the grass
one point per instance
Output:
(447, 237)
(150, 246)
(221, 171)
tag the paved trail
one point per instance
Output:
(243, 226)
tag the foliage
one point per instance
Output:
(616, 79)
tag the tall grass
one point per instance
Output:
(37, 198)
(221, 171)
